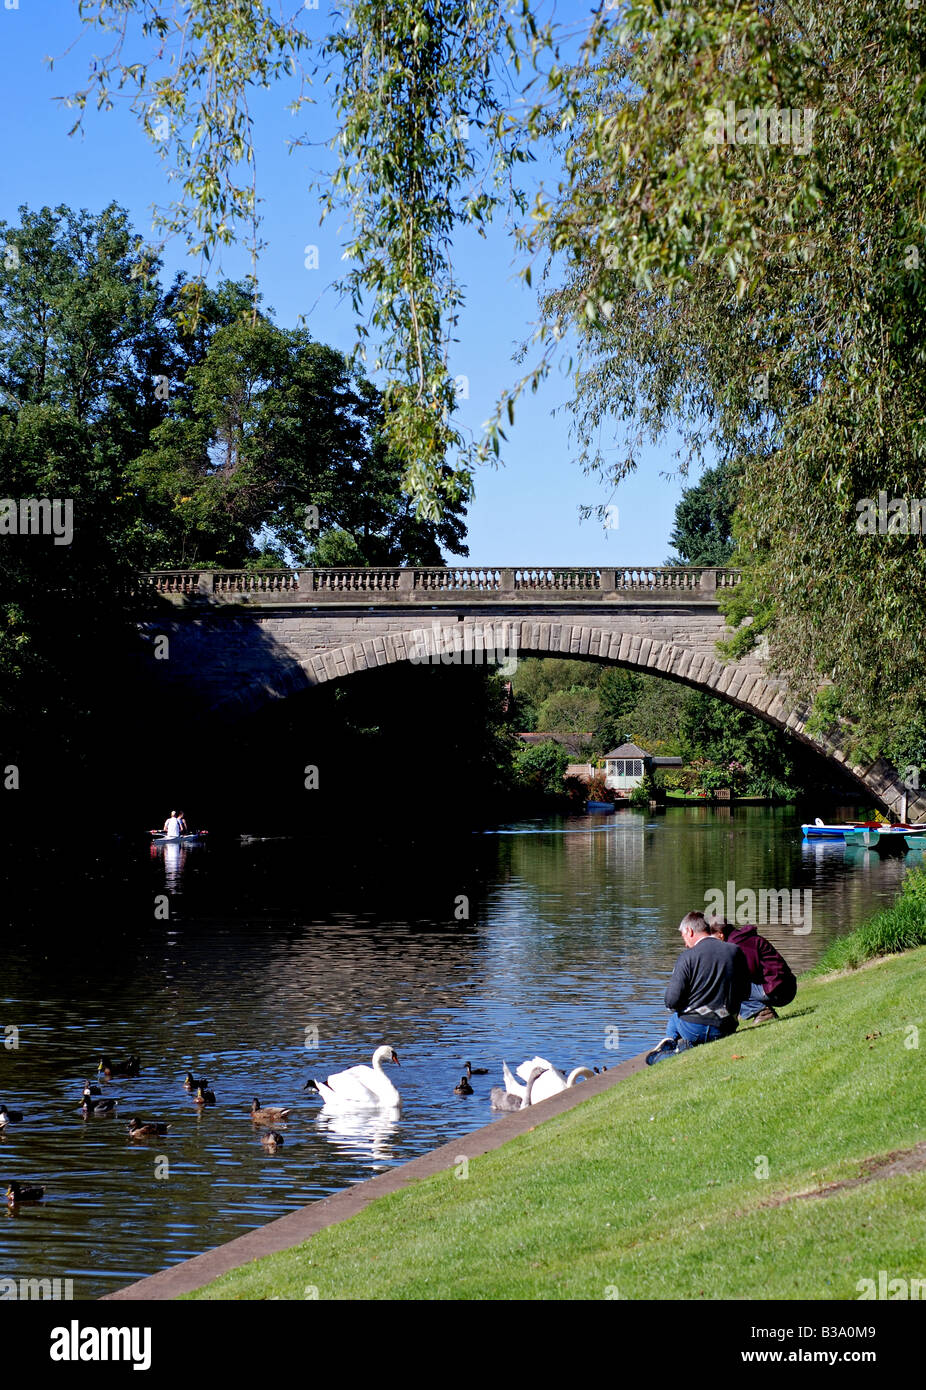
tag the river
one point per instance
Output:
(262, 964)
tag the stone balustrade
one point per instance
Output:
(383, 585)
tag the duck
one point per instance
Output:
(472, 1071)
(148, 1131)
(93, 1088)
(21, 1192)
(97, 1105)
(268, 1115)
(360, 1087)
(204, 1096)
(9, 1117)
(500, 1099)
(272, 1140)
(130, 1067)
(464, 1088)
(191, 1084)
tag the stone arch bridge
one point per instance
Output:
(230, 641)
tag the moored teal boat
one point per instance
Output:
(867, 837)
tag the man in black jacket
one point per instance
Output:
(708, 985)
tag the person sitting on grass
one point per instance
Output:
(771, 977)
(708, 985)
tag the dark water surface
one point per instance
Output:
(280, 960)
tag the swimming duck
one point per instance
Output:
(272, 1140)
(464, 1088)
(475, 1071)
(191, 1084)
(20, 1192)
(269, 1115)
(93, 1088)
(203, 1096)
(98, 1105)
(130, 1067)
(9, 1117)
(149, 1131)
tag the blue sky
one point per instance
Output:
(525, 512)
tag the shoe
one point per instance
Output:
(667, 1045)
(682, 1045)
(766, 1015)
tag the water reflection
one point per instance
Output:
(361, 1134)
(174, 857)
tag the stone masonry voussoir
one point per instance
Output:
(235, 662)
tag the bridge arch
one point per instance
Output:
(496, 641)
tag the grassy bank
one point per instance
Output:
(656, 1189)
(900, 927)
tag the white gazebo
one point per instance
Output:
(625, 767)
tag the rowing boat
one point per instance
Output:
(868, 838)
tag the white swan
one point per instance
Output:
(525, 1069)
(506, 1100)
(513, 1087)
(551, 1082)
(360, 1087)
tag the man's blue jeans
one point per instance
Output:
(755, 1003)
(694, 1033)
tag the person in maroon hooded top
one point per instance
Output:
(772, 979)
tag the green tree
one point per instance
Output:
(746, 752)
(541, 767)
(271, 425)
(255, 425)
(703, 531)
(755, 280)
(568, 711)
(618, 692)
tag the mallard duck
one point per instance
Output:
(9, 1116)
(269, 1115)
(191, 1084)
(130, 1067)
(149, 1131)
(464, 1088)
(20, 1192)
(204, 1097)
(475, 1071)
(273, 1139)
(98, 1105)
(93, 1088)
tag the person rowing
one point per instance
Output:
(173, 826)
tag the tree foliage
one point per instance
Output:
(703, 530)
(768, 299)
(739, 239)
(263, 446)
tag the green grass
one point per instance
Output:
(900, 927)
(652, 1190)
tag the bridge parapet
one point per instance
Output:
(429, 585)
